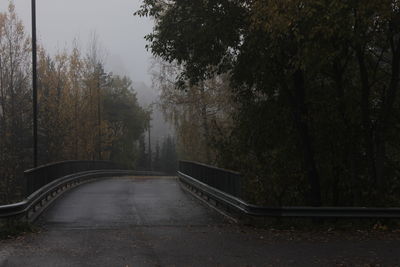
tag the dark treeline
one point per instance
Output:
(85, 113)
(300, 96)
(162, 158)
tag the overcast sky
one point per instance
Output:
(120, 33)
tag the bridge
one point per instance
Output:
(95, 214)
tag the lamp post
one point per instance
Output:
(34, 85)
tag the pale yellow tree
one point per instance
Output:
(202, 114)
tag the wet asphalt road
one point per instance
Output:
(153, 222)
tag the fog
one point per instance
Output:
(120, 34)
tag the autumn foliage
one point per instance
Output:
(315, 86)
(85, 113)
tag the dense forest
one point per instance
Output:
(85, 112)
(300, 96)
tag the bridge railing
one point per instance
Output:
(222, 188)
(225, 180)
(46, 183)
(38, 177)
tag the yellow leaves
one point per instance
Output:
(3, 18)
(380, 227)
(69, 97)
(282, 16)
(312, 24)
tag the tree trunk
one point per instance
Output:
(99, 115)
(205, 122)
(366, 116)
(385, 114)
(348, 152)
(300, 115)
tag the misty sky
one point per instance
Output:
(120, 33)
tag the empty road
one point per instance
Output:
(154, 222)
